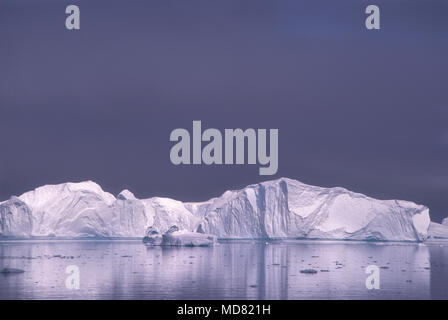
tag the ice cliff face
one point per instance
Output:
(278, 208)
(288, 208)
(16, 219)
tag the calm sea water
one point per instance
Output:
(230, 270)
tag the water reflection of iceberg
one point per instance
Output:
(231, 270)
(341, 271)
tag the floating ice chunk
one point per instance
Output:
(187, 238)
(152, 237)
(11, 271)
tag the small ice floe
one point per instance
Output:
(308, 271)
(188, 239)
(176, 237)
(152, 237)
(11, 271)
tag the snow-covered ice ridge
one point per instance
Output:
(282, 208)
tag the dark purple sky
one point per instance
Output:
(366, 110)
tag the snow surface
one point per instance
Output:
(282, 208)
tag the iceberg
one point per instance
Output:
(282, 208)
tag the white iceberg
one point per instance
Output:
(282, 208)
